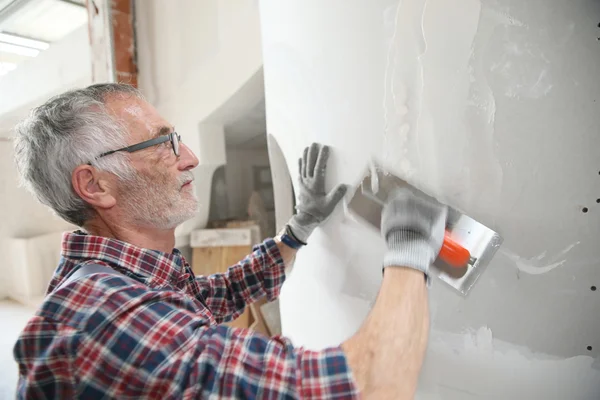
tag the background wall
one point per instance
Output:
(201, 74)
(491, 106)
(22, 217)
(52, 72)
(240, 176)
(33, 82)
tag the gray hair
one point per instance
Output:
(69, 130)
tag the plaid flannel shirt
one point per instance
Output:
(157, 335)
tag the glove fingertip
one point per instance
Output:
(324, 152)
(339, 193)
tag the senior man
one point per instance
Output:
(124, 315)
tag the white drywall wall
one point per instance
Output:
(201, 67)
(492, 107)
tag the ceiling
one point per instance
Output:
(249, 130)
(28, 27)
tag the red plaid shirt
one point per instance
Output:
(158, 336)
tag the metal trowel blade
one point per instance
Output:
(482, 242)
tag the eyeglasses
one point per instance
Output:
(174, 137)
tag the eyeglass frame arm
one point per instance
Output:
(142, 145)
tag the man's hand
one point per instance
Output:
(413, 228)
(314, 204)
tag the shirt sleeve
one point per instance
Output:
(157, 348)
(260, 274)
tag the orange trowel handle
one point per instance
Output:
(453, 253)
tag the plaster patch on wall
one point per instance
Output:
(438, 108)
(403, 81)
(520, 62)
(480, 340)
(532, 81)
(536, 265)
(453, 360)
(502, 17)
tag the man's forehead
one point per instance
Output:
(140, 117)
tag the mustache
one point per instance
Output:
(185, 177)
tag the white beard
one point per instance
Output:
(156, 203)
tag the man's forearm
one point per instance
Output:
(387, 353)
(259, 274)
(287, 253)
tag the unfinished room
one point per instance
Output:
(300, 199)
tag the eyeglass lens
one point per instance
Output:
(175, 141)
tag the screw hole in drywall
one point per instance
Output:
(584, 210)
(589, 348)
(593, 288)
(598, 201)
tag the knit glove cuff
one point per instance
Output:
(409, 249)
(302, 225)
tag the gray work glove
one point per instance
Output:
(413, 228)
(314, 204)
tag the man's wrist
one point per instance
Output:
(409, 250)
(290, 242)
(290, 232)
(301, 226)
(287, 237)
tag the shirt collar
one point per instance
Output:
(156, 265)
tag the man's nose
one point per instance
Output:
(187, 158)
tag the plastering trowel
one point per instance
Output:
(468, 245)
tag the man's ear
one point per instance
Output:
(93, 187)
